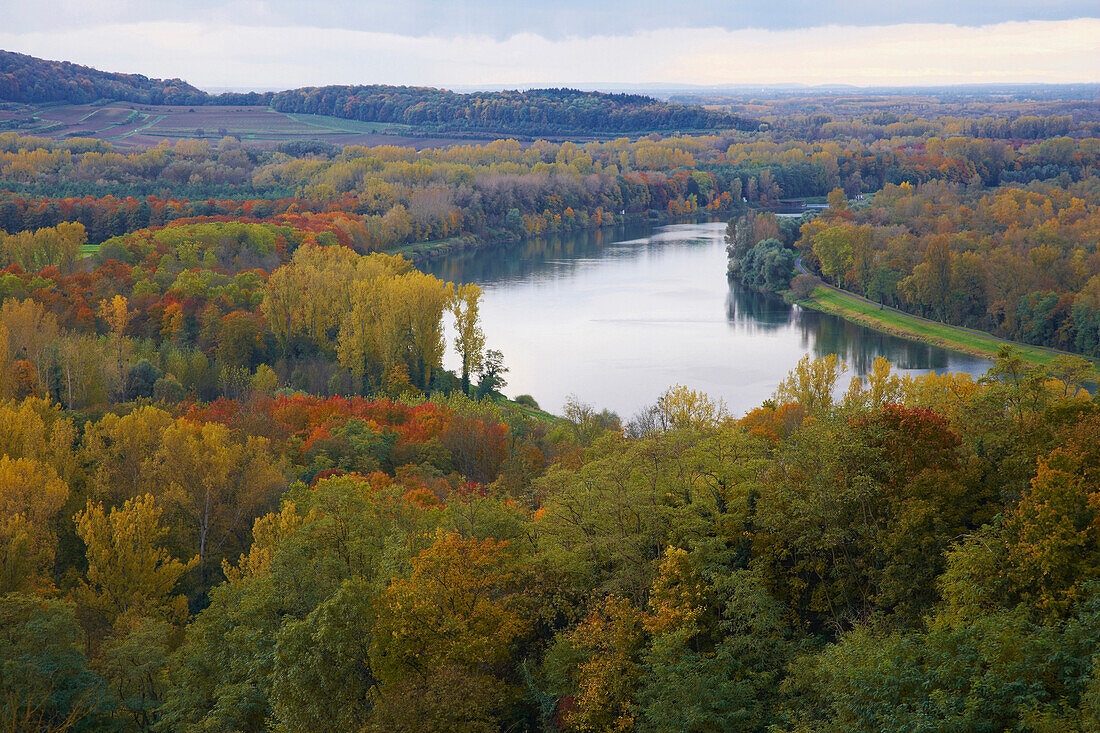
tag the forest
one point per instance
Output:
(1019, 262)
(534, 112)
(28, 79)
(1015, 261)
(920, 553)
(240, 490)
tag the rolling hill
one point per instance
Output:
(30, 80)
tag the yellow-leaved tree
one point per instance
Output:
(33, 428)
(469, 338)
(311, 295)
(459, 606)
(122, 449)
(130, 572)
(395, 326)
(216, 484)
(31, 495)
(116, 314)
(443, 631)
(681, 408)
(32, 334)
(811, 384)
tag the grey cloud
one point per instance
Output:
(549, 18)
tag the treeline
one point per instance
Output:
(798, 168)
(110, 216)
(1019, 262)
(58, 247)
(500, 190)
(534, 112)
(80, 165)
(884, 126)
(919, 549)
(1020, 114)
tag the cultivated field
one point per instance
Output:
(128, 125)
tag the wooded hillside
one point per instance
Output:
(32, 80)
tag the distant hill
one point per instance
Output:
(534, 112)
(33, 80)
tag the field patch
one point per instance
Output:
(337, 124)
(128, 125)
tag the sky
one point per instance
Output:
(279, 44)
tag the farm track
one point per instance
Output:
(135, 131)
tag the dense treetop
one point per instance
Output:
(1020, 262)
(918, 548)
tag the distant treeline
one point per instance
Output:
(496, 191)
(535, 112)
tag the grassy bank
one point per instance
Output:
(889, 321)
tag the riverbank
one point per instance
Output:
(849, 306)
(417, 252)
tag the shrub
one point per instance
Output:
(527, 401)
(803, 286)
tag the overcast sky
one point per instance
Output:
(291, 43)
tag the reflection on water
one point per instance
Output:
(860, 347)
(824, 334)
(617, 316)
(553, 256)
(750, 308)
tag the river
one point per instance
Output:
(615, 317)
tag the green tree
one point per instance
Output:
(323, 679)
(45, 680)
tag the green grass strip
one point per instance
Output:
(835, 302)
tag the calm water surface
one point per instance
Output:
(617, 317)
